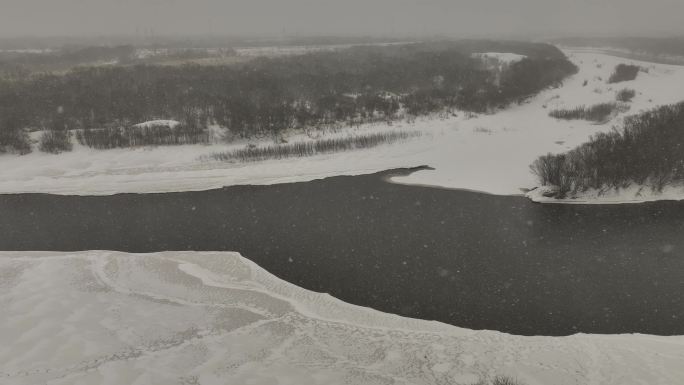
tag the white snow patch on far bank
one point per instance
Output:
(487, 152)
(185, 317)
(158, 123)
(503, 57)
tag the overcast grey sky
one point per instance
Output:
(541, 18)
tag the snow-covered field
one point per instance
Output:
(489, 153)
(631, 54)
(216, 318)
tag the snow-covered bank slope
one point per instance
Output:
(498, 161)
(631, 194)
(487, 152)
(217, 318)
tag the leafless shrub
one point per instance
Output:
(55, 142)
(625, 95)
(596, 113)
(116, 137)
(647, 149)
(623, 73)
(505, 380)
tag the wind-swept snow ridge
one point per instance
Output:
(216, 318)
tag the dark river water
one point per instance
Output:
(464, 258)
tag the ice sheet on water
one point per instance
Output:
(185, 317)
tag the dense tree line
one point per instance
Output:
(311, 148)
(22, 64)
(153, 135)
(267, 96)
(595, 113)
(646, 150)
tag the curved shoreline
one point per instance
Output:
(472, 255)
(109, 317)
(486, 153)
(630, 195)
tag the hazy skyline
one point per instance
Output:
(515, 18)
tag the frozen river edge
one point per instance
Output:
(178, 317)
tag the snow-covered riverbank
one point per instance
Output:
(489, 153)
(630, 194)
(183, 317)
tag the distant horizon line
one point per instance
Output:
(61, 40)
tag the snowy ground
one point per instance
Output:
(489, 153)
(216, 318)
(632, 194)
(630, 54)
